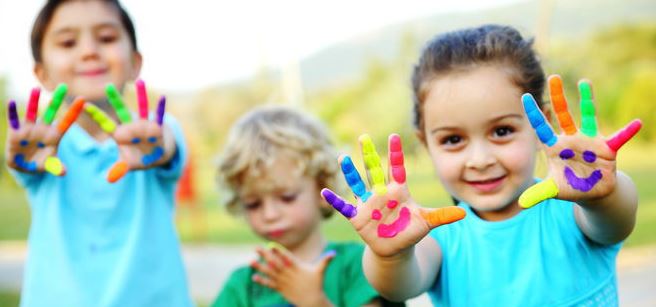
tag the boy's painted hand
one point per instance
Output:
(32, 146)
(298, 282)
(386, 217)
(582, 163)
(141, 142)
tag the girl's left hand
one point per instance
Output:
(582, 163)
(298, 282)
(142, 143)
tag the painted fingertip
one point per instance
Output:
(12, 114)
(346, 209)
(118, 170)
(328, 254)
(272, 245)
(161, 108)
(54, 166)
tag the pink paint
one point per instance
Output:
(391, 230)
(392, 204)
(33, 105)
(396, 159)
(624, 135)
(142, 99)
(376, 215)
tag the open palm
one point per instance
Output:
(582, 163)
(140, 142)
(387, 218)
(32, 146)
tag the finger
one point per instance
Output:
(54, 166)
(104, 121)
(372, 164)
(396, 161)
(12, 115)
(270, 258)
(325, 259)
(536, 118)
(161, 108)
(588, 118)
(559, 104)
(624, 135)
(441, 216)
(71, 115)
(353, 179)
(543, 190)
(118, 170)
(282, 253)
(142, 99)
(346, 209)
(57, 99)
(264, 281)
(33, 105)
(116, 101)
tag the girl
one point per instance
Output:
(469, 115)
(91, 242)
(273, 164)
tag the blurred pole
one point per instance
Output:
(543, 26)
(292, 85)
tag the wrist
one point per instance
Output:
(316, 300)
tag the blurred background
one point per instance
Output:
(348, 63)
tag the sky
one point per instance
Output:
(191, 44)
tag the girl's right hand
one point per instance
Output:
(387, 218)
(32, 146)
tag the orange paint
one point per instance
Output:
(560, 105)
(441, 216)
(118, 170)
(71, 116)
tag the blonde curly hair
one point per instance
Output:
(267, 134)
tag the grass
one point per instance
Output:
(8, 298)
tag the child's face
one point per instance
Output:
(282, 205)
(481, 144)
(86, 46)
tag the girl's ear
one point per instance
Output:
(421, 136)
(137, 61)
(42, 75)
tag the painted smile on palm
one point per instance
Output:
(582, 184)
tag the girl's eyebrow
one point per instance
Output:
(71, 28)
(493, 120)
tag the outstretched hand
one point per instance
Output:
(32, 146)
(141, 142)
(387, 218)
(582, 163)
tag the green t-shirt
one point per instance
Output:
(344, 283)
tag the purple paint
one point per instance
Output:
(582, 184)
(566, 154)
(346, 209)
(376, 215)
(392, 204)
(391, 230)
(13, 115)
(161, 106)
(589, 156)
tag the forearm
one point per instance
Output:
(610, 219)
(405, 275)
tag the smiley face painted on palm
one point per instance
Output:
(392, 229)
(584, 184)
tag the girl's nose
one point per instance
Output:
(481, 156)
(88, 47)
(271, 210)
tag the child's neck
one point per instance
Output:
(504, 213)
(311, 248)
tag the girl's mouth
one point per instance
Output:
(487, 185)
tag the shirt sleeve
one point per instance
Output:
(173, 169)
(358, 291)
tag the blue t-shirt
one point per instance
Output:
(94, 243)
(537, 258)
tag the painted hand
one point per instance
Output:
(386, 218)
(140, 142)
(32, 146)
(581, 162)
(298, 282)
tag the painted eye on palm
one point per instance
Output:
(548, 187)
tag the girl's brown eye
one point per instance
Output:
(288, 198)
(451, 140)
(249, 206)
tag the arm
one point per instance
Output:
(407, 274)
(610, 219)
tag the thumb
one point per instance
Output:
(325, 259)
(440, 216)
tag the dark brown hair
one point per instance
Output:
(45, 15)
(466, 48)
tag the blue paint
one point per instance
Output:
(582, 184)
(354, 180)
(19, 159)
(152, 140)
(589, 156)
(155, 155)
(136, 141)
(40, 145)
(542, 129)
(24, 143)
(567, 154)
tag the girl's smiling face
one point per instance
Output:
(481, 144)
(86, 47)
